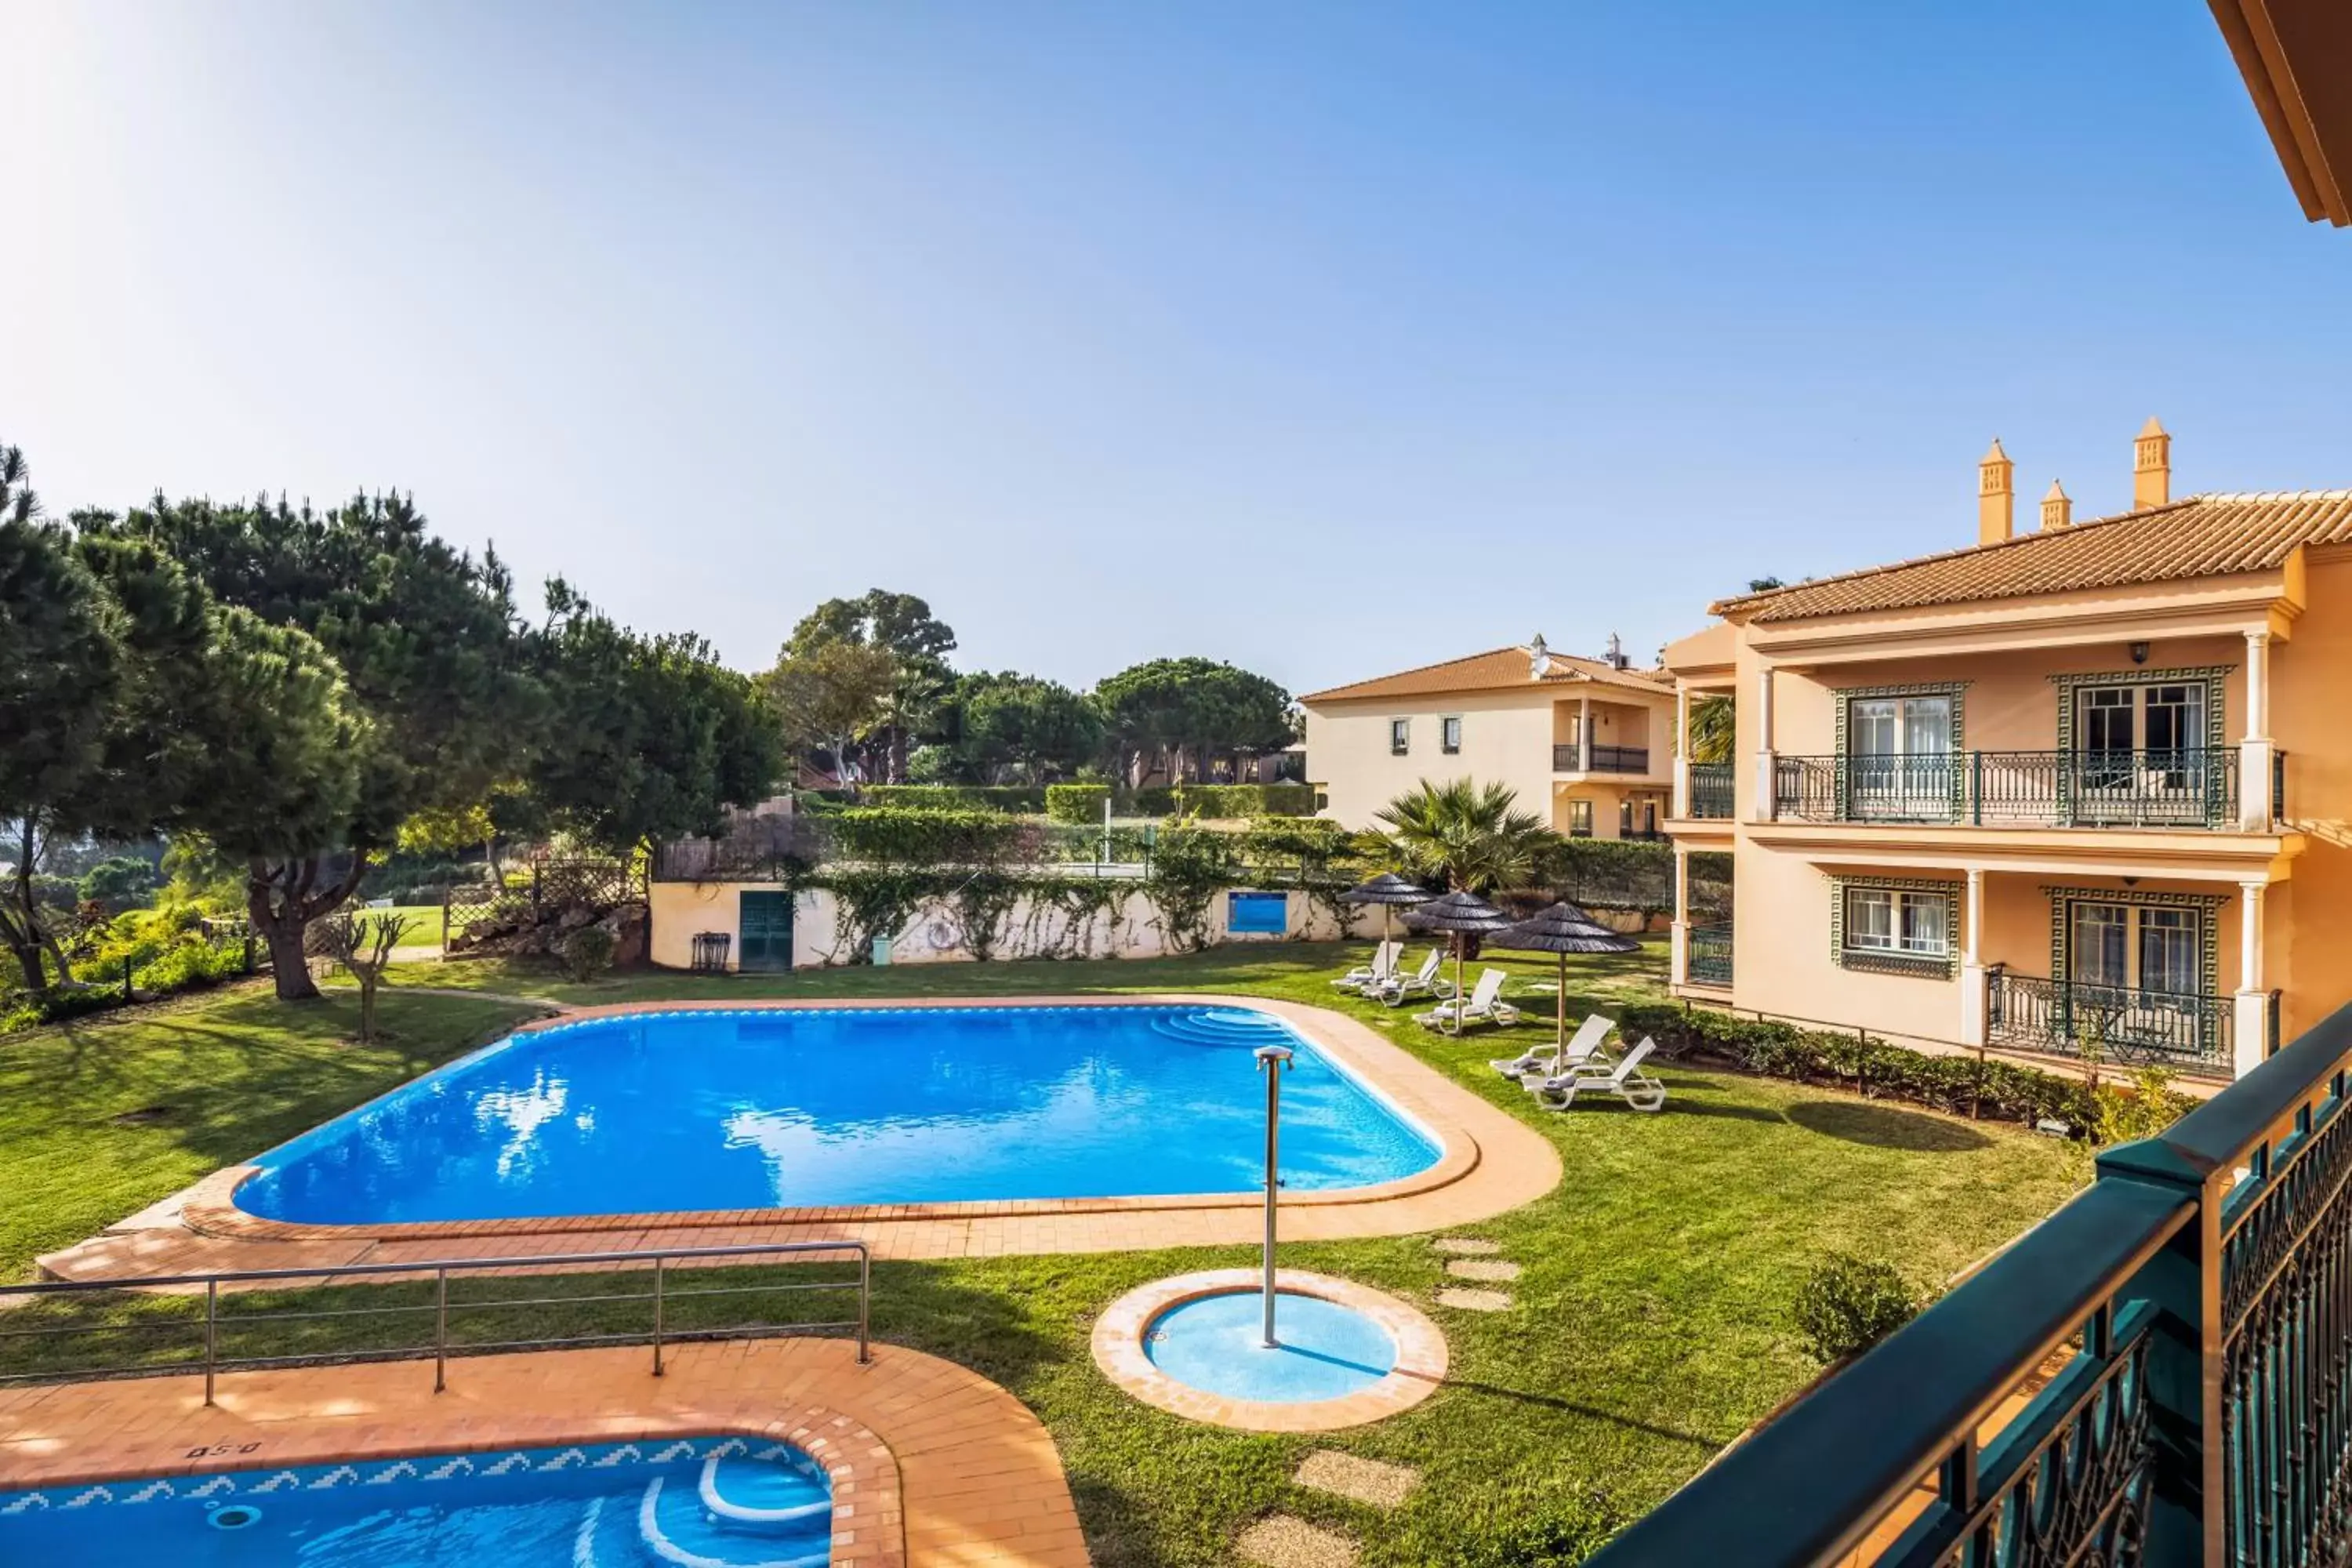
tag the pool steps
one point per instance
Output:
(700, 1527)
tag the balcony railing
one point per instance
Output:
(2133, 1027)
(1710, 954)
(1710, 791)
(1574, 759)
(2194, 1298)
(2194, 786)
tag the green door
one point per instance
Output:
(765, 923)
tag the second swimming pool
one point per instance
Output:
(701, 1111)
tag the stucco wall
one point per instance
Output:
(2311, 717)
(1130, 929)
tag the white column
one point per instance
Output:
(2250, 1006)
(2254, 749)
(1767, 761)
(1678, 944)
(1584, 736)
(1972, 964)
(1682, 750)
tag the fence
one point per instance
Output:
(1710, 954)
(2182, 787)
(2189, 1033)
(2200, 1294)
(597, 885)
(1710, 791)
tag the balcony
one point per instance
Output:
(2130, 1027)
(1710, 954)
(1710, 792)
(1602, 759)
(2190, 787)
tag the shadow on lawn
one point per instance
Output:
(1882, 1127)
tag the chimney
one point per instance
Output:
(2057, 511)
(1996, 497)
(1616, 654)
(2151, 466)
(1539, 659)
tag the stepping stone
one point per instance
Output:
(1282, 1541)
(1362, 1480)
(1474, 1300)
(1493, 1270)
(1467, 1246)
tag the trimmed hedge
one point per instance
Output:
(911, 835)
(1612, 874)
(1080, 804)
(1876, 1068)
(1028, 798)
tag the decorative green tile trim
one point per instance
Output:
(1955, 690)
(1943, 968)
(2062, 925)
(2217, 728)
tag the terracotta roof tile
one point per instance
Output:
(2203, 536)
(1498, 670)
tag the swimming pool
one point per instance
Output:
(703, 1110)
(725, 1502)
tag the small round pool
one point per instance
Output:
(1322, 1351)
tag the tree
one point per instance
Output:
(1711, 729)
(1179, 712)
(1467, 834)
(649, 738)
(435, 702)
(917, 643)
(60, 671)
(364, 944)
(829, 697)
(1018, 729)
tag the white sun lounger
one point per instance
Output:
(1424, 982)
(1626, 1081)
(1484, 1005)
(1545, 1060)
(1370, 977)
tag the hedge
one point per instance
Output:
(1223, 802)
(1080, 804)
(1029, 799)
(912, 836)
(1871, 1068)
(190, 964)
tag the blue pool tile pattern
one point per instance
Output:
(739, 1109)
(1322, 1350)
(722, 1502)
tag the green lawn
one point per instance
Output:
(1649, 1329)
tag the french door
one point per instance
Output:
(1899, 757)
(2141, 752)
(2135, 973)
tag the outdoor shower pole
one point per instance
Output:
(1273, 1061)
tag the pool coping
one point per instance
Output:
(1493, 1162)
(211, 1208)
(923, 1456)
(1420, 1362)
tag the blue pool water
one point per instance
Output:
(727, 1502)
(786, 1109)
(1322, 1350)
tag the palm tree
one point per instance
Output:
(1466, 834)
(1711, 721)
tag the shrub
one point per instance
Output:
(1846, 1305)
(119, 881)
(908, 835)
(1227, 802)
(1028, 798)
(1080, 803)
(189, 965)
(1611, 874)
(588, 952)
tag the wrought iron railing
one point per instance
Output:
(1710, 791)
(2186, 787)
(2195, 1305)
(1710, 954)
(2124, 1024)
(201, 1341)
(1574, 759)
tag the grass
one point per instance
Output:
(424, 923)
(1650, 1327)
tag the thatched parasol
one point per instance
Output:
(1457, 915)
(1389, 890)
(1562, 929)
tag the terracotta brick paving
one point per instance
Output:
(1493, 1162)
(931, 1464)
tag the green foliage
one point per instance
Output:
(828, 697)
(190, 964)
(1003, 727)
(908, 645)
(959, 797)
(1184, 711)
(904, 836)
(1547, 1532)
(119, 881)
(1462, 835)
(1610, 873)
(588, 952)
(1712, 723)
(1189, 866)
(1080, 804)
(2125, 1115)
(1848, 1304)
(1228, 802)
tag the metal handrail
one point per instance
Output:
(2177, 787)
(441, 1269)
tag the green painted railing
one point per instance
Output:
(2182, 787)
(2199, 1297)
(1710, 791)
(1710, 953)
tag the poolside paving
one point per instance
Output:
(931, 1464)
(1492, 1163)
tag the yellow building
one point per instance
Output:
(2090, 780)
(1587, 743)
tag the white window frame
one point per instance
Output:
(1933, 910)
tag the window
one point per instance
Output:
(1449, 734)
(1580, 819)
(1899, 923)
(2137, 947)
(1625, 819)
(1899, 755)
(1400, 737)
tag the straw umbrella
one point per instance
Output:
(1562, 929)
(1457, 915)
(1389, 890)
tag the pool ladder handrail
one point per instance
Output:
(660, 1258)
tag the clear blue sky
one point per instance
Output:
(1327, 339)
